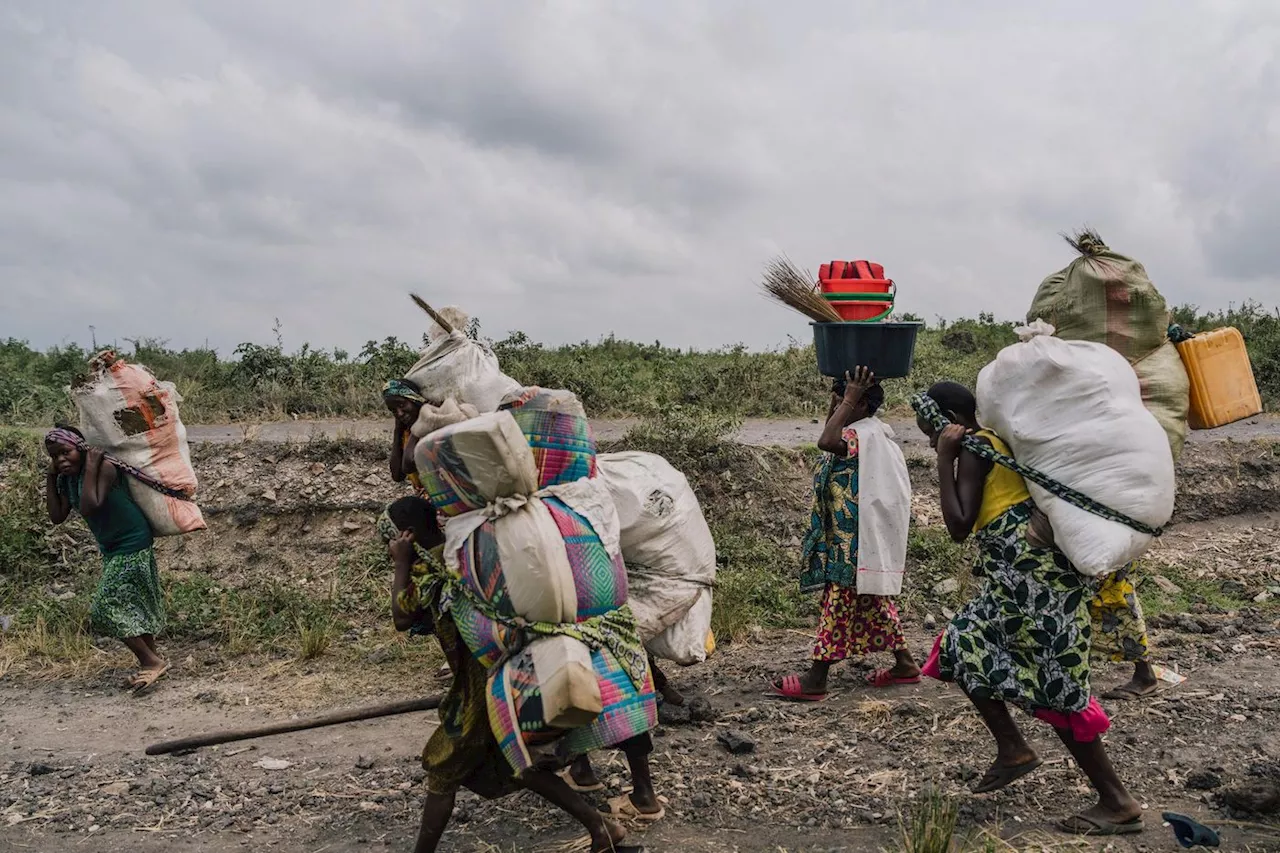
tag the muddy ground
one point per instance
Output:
(759, 432)
(830, 776)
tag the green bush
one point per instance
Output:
(612, 377)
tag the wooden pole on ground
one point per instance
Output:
(190, 743)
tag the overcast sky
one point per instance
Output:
(192, 170)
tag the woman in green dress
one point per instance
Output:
(128, 603)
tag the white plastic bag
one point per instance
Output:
(667, 546)
(456, 367)
(570, 689)
(687, 640)
(884, 509)
(1073, 410)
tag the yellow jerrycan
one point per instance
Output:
(1223, 389)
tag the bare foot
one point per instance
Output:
(610, 839)
(672, 696)
(583, 775)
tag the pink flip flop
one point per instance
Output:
(886, 678)
(793, 691)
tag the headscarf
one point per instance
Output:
(65, 437)
(404, 389)
(386, 527)
(69, 438)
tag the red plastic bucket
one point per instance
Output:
(850, 270)
(856, 285)
(862, 310)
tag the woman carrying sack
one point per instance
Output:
(1024, 638)
(128, 604)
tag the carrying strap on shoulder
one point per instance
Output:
(928, 410)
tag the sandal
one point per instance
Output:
(792, 690)
(1191, 833)
(567, 775)
(1125, 693)
(1081, 824)
(622, 808)
(886, 678)
(147, 678)
(1001, 776)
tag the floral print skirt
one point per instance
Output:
(1024, 639)
(128, 602)
(855, 625)
(1119, 628)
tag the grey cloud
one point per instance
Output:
(196, 169)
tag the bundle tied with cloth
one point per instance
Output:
(1096, 461)
(133, 418)
(539, 591)
(666, 544)
(1107, 298)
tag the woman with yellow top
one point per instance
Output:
(1024, 638)
(403, 399)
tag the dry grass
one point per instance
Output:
(785, 283)
(48, 653)
(314, 637)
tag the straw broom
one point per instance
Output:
(786, 284)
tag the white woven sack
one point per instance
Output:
(1073, 410)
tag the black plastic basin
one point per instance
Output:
(887, 348)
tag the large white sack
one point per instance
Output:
(1073, 410)
(666, 543)
(686, 641)
(456, 367)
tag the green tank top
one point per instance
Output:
(119, 525)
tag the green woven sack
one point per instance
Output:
(1107, 298)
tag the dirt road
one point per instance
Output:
(824, 777)
(833, 776)
(756, 432)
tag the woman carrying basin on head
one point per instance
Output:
(854, 624)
